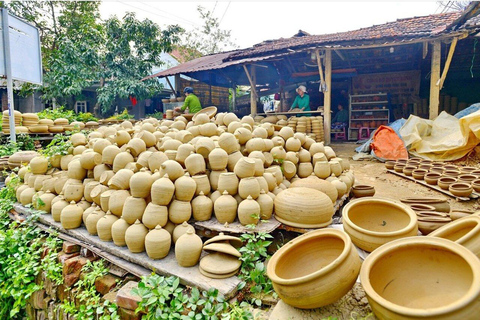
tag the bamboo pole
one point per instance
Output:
(434, 77)
(447, 63)
(253, 92)
(327, 95)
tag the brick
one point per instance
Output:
(105, 284)
(62, 256)
(31, 312)
(62, 293)
(69, 247)
(37, 299)
(126, 298)
(111, 296)
(41, 315)
(126, 314)
(72, 269)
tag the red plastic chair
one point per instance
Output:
(361, 131)
(341, 135)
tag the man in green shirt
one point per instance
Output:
(340, 120)
(191, 102)
(302, 101)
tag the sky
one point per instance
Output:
(255, 21)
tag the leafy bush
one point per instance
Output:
(122, 116)
(156, 115)
(24, 143)
(70, 115)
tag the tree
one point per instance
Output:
(210, 38)
(453, 5)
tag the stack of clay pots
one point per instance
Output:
(30, 119)
(313, 126)
(223, 258)
(18, 120)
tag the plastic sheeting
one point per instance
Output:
(387, 145)
(445, 138)
(465, 112)
(396, 125)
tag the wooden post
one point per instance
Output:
(234, 97)
(447, 63)
(327, 116)
(434, 78)
(252, 78)
(178, 83)
(171, 87)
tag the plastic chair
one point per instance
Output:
(341, 135)
(361, 131)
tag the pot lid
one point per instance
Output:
(220, 263)
(222, 247)
(216, 276)
(234, 241)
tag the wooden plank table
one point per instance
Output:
(167, 266)
(473, 196)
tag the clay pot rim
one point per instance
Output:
(476, 181)
(363, 187)
(420, 171)
(425, 206)
(456, 225)
(431, 213)
(433, 175)
(447, 179)
(409, 211)
(407, 167)
(442, 244)
(293, 244)
(460, 186)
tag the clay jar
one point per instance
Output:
(155, 215)
(179, 211)
(105, 199)
(360, 191)
(372, 222)
(341, 187)
(71, 216)
(136, 146)
(185, 188)
(218, 159)
(440, 276)
(460, 189)
(172, 168)
(245, 168)
(73, 190)
(46, 198)
(119, 228)
(97, 193)
(248, 211)
(249, 187)
(228, 182)
(203, 184)
(76, 171)
(204, 146)
(57, 208)
(303, 207)
(135, 237)
(38, 165)
(228, 142)
(92, 219)
(202, 207)
(89, 159)
(440, 204)
(225, 208)
(315, 269)
(162, 191)
(188, 249)
(116, 201)
(322, 169)
(180, 230)
(121, 160)
(195, 164)
(140, 184)
(121, 180)
(133, 209)
(157, 243)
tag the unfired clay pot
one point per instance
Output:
(188, 249)
(203, 184)
(314, 182)
(133, 209)
(119, 228)
(38, 165)
(140, 184)
(225, 208)
(157, 243)
(162, 191)
(92, 219)
(71, 216)
(248, 211)
(315, 269)
(104, 226)
(202, 207)
(135, 237)
(245, 168)
(218, 159)
(228, 182)
(249, 187)
(266, 205)
(305, 169)
(372, 222)
(422, 278)
(46, 198)
(179, 211)
(185, 188)
(180, 230)
(195, 164)
(172, 168)
(440, 204)
(155, 215)
(116, 201)
(121, 180)
(360, 191)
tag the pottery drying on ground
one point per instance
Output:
(188, 249)
(155, 215)
(157, 243)
(440, 204)
(317, 184)
(427, 224)
(362, 190)
(135, 237)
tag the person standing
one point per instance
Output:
(191, 102)
(302, 101)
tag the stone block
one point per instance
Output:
(126, 298)
(41, 315)
(72, 269)
(62, 256)
(111, 296)
(105, 284)
(69, 247)
(62, 292)
(37, 299)
(126, 314)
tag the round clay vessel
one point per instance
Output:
(119, 228)
(432, 178)
(305, 169)
(245, 167)
(38, 165)
(460, 189)
(57, 208)
(445, 182)
(225, 208)
(408, 170)
(322, 169)
(389, 164)
(228, 182)
(133, 209)
(314, 269)
(188, 249)
(248, 211)
(440, 204)
(135, 237)
(314, 182)
(116, 201)
(73, 190)
(249, 187)
(218, 159)
(157, 243)
(421, 207)
(46, 198)
(372, 222)
(266, 205)
(363, 191)
(179, 211)
(427, 224)
(89, 160)
(185, 188)
(162, 191)
(202, 184)
(140, 184)
(422, 278)
(467, 178)
(71, 216)
(155, 215)
(303, 207)
(418, 174)
(104, 226)
(172, 168)
(195, 164)
(76, 171)
(451, 173)
(341, 187)
(92, 219)
(219, 263)
(202, 207)
(476, 185)
(121, 180)
(180, 230)
(399, 168)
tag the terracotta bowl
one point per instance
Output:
(422, 278)
(408, 169)
(430, 213)
(450, 167)
(389, 164)
(476, 173)
(440, 204)
(419, 174)
(432, 177)
(372, 222)
(413, 163)
(436, 169)
(445, 182)
(427, 224)
(467, 169)
(427, 167)
(460, 189)
(399, 168)
(421, 207)
(451, 173)
(426, 161)
(402, 161)
(464, 231)
(360, 191)
(476, 185)
(467, 178)
(315, 269)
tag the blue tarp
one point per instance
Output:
(465, 112)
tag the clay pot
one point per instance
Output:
(228, 142)
(73, 190)
(293, 144)
(456, 214)
(133, 209)
(121, 137)
(106, 176)
(445, 182)
(340, 186)
(71, 216)
(248, 211)
(38, 165)
(294, 157)
(121, 180)
(432, 177)
(440, 204)
(119, 229)
(289, 169)
(225, 208)
(322, 169)
(137, 145)
(266, 205)
(142, 160)
(305, 169)
(249, 187)
(303, 207)
(76, 171)
(155, 215)
(218, 159)
(57, 208)
(183, 152)
(360, 191)
(140, 184)
(185, 188)
(135, 237)
(92, 219)
(278, 153)
(315, 269)
(255, 144)
(428, 214)
(46, 199)
(19, 191)
(162, 191)
(233, 158)
(188, 249)
(101, 144)
(418, 174)
(172, 168)
(105, 199)
(407, 170)
(421, 207)
(315, 183)
(467, 178)
(425, 270)
(157, 243)
(180, 230)
(476, 185)
(389, 164)
(202, 184)
(87, 212)
(179, 211)
(228, 182)
(202, 207)
(399, 168)
(195, 164)
(451, 173)
(89, 160)
(121, 160)
(97, 193)
(245, 168)
(372, 222)
(336, 168)
(460, 189)
(204, 146)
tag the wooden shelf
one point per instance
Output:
(369, 119)
(368, 110)
(368, 103)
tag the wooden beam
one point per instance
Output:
(320, 71)
(171, 87)
(339, 54)
(178, 83)
(447, 64)
(434, 77)
(327, 100)
(425, 49)
(252, 78)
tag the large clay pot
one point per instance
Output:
(121, 180)
(89, 159)
(96, 193)
(133, 209)
(322, 169)
(76, 171)
(218, 159)
(135, 237)
(101, 144)
(293, 144)
(318, 184)
(183, 152)
(105, 199)
(109, 154)
(249, 187)
(121, 137)
(180, 230)
(71, 216)
(315, 269)
(266, 205)
(243, 135)
(38, 165)
(104, 226)
(225, 208)
(92, 219)
(228, 182)
(372, 222)
(202, 184)
(155, 215)
(202, 207)
(137, 146)
(46, 201)
(26, 196)
(214, 177)
(185, 188)
(141, 184)
(271, 180)
(106, 176)
(157, 243)
(121, 160)
(440, 204)
(289, 169)
(156, 159)
(172, 168)
(233, 158)
(316, 147)
(57, 208)
(431, 221)
(248, 211)
(228, 142)
(179, 211)
(195, 164)
(303, 207)
(335, 168)
(305, 169)
(162, 191)
(204, 146)
(245, 168)
(422, 278)
(277, 171)
(119, 228)
(73, 190)
(188, 249)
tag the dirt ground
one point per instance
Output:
(388, 185)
